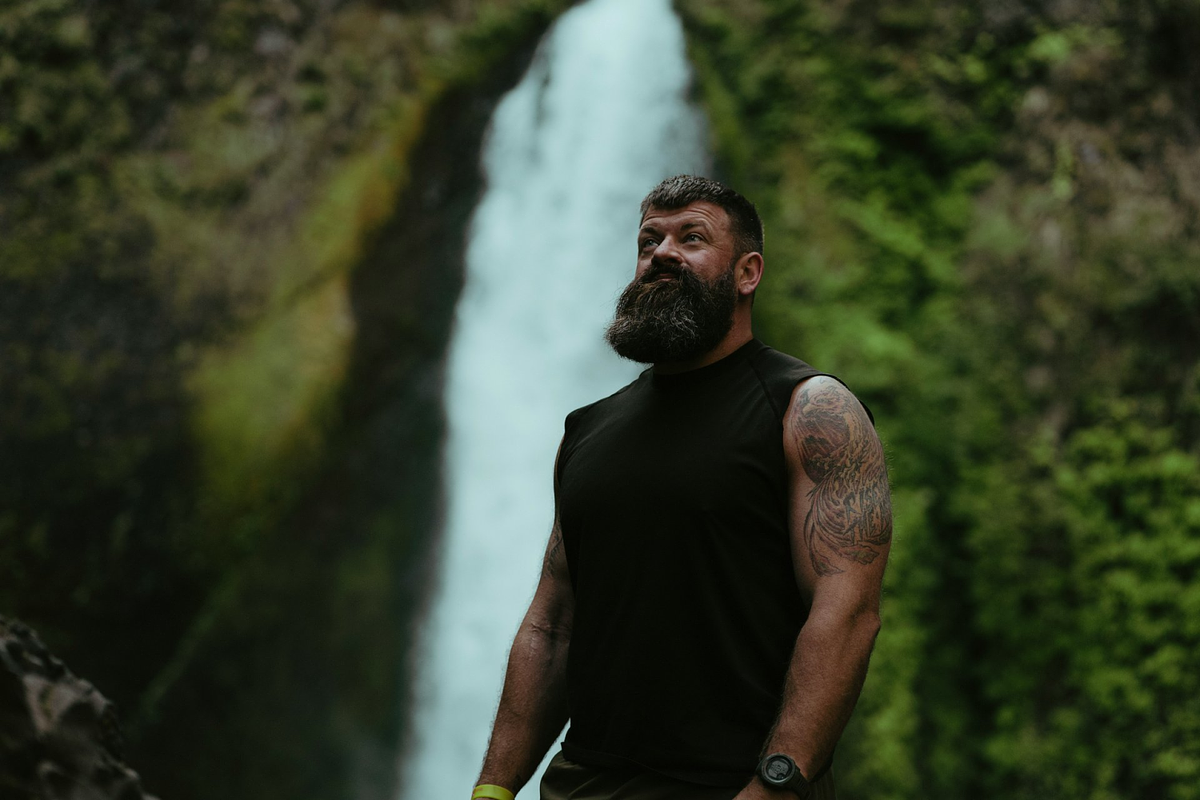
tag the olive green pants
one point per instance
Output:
(566, 780)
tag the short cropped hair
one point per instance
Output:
(683, 190)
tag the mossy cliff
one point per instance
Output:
(985, 217)
(230, 242)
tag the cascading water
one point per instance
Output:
(600, 117)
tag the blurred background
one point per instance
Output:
(233, 239)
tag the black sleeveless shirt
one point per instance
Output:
(673, 502)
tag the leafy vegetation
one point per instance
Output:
(985, 218)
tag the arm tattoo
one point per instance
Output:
(850, 511)
(550, 562)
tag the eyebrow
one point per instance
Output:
(687, 226)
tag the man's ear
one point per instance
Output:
(747, 273)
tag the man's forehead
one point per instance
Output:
(702, 212)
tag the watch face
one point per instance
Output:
(778, 769)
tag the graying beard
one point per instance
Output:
(673, 325)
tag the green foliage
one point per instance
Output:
(1101, 546)
(55, 97)
(976, 216)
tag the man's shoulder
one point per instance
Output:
(779, 373)
(782, 374)
(768, 360)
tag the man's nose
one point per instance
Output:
(667, 252)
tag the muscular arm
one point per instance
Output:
(533, 704)
(841, 524)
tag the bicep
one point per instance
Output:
(841, 515)
(553, 605)
(554, 600)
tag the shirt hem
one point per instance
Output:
(595, 758)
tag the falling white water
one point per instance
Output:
(600, 117)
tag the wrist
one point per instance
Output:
(772, 792)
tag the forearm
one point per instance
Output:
(824, 678)
(533, 705)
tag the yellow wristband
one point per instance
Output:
(491, 791)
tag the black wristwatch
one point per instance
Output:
(779, 772)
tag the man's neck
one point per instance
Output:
(737, 336)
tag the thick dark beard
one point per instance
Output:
(672, 321)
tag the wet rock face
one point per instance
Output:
(59, 737)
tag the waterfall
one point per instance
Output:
(599, 118)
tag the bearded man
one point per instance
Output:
(710, 593)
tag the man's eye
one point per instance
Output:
(648, 243)
(692, 237)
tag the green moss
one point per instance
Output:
(261, 402)
(261, 397)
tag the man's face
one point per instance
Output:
(680, 303)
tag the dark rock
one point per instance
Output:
(59, 737)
